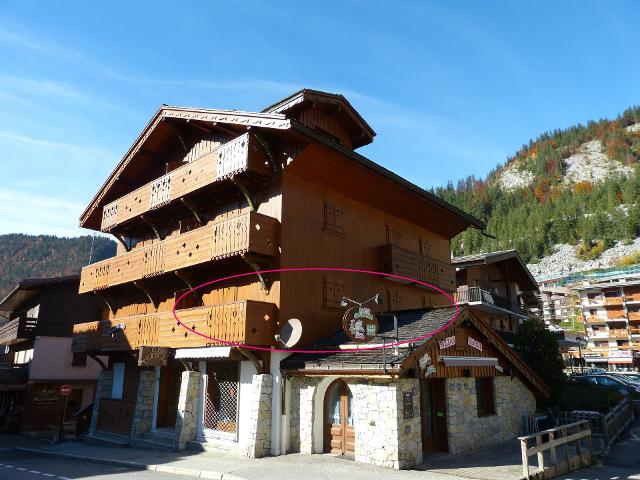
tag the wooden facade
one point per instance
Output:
(198, 197)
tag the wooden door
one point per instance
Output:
(434, 416)
(339, 430)
(168, 393)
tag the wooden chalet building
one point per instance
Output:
(36, 326)
(498, 286)
(203, 194)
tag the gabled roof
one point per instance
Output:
(362, 130)
(495, 257)
(27, 289)
(411, 324)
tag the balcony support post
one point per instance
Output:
(256, 268)
(192, 209)
(152, 227)
(120, 238)
(146, 292)
(250, 356)
(108, 302)
(98, 360)
(267, 149)
(245, 193)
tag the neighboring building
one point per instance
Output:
(499, 287)
(611, 312)
(205, 194)
(558, 304)
(36, 326)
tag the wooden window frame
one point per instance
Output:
(333, 219)
(485, 396)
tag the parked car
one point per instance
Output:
(633, 378)
(611, 382)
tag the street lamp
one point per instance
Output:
(582, 342)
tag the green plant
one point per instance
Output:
(627, 260)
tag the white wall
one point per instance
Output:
(52, 358)
(247, 371)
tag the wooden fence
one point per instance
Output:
(558, 450)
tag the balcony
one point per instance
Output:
(612, 301)
(634, 330)
(596, 320)
(634, 316)
(13, 373)
(405, 263)
(248, 322)
(619, 333)
(240, 155)
(479, 296)
(19, 330)
(248, 233)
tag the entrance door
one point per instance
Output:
(434, 418)
(339, 432)
(168, 393)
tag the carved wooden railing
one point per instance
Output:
(248, 322)
(17, 330)
(634, 315)
(249, 232)
(405, 263)
(477, 294)
(239, 155)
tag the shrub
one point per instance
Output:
(582, 396)
(626, 260)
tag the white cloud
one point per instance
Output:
(22, 212)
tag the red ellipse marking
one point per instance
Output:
(317, 269)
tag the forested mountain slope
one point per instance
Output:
(579, 186)
(33, 256)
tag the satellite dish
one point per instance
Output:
(290, 333)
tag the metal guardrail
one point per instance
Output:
(599, 274)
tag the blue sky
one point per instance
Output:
(451, 88)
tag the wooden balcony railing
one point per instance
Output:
(242, 154)
(477, 294)
(619, 333)
(250, 232)
(596, 320)
(399, 261)
(18, 330)
(634, 330)
(634, 316)
(610, 301)
(613, 315)
(248, 322)
(13, 373)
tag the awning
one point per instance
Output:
(470, 361)
(620, 360)
(206, 352)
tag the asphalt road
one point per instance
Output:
(19, 465)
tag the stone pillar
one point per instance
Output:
(409, 429)
(143, 414)
(187, 415)
(259, 417)
(103, 390)
(301, 414)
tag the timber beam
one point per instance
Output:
(271, 158)
(249, 355)
(120, 238)
(251, 262)
(152, 226)
(146, 293)
(110, 303)
(245, 192)
(192, 208)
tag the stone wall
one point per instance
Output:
(103, 390)
(187, 414)
(259, 417)
(383, 436)
(143, 414)
(467, 431)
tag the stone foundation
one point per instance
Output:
(103, 390)
(143, 414)
(467, 431)
(187, 414)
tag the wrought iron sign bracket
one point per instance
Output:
(191, 207)
(152, 227)
(256, 268)
(245, 193)
(146, 292)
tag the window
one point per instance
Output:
(333, 219)
(332, 293)
(79, 359)
(484, 396)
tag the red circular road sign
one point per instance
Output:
(65, 390)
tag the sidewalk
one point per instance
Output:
(211, 466)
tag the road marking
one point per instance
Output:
(48, 475)
(21, 469)
(35, 471)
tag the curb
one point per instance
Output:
(190, 472)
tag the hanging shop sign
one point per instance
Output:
(360, 324)
(447, 342)
(153, 356)
(474, 344)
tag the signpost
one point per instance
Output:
(65, 391)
